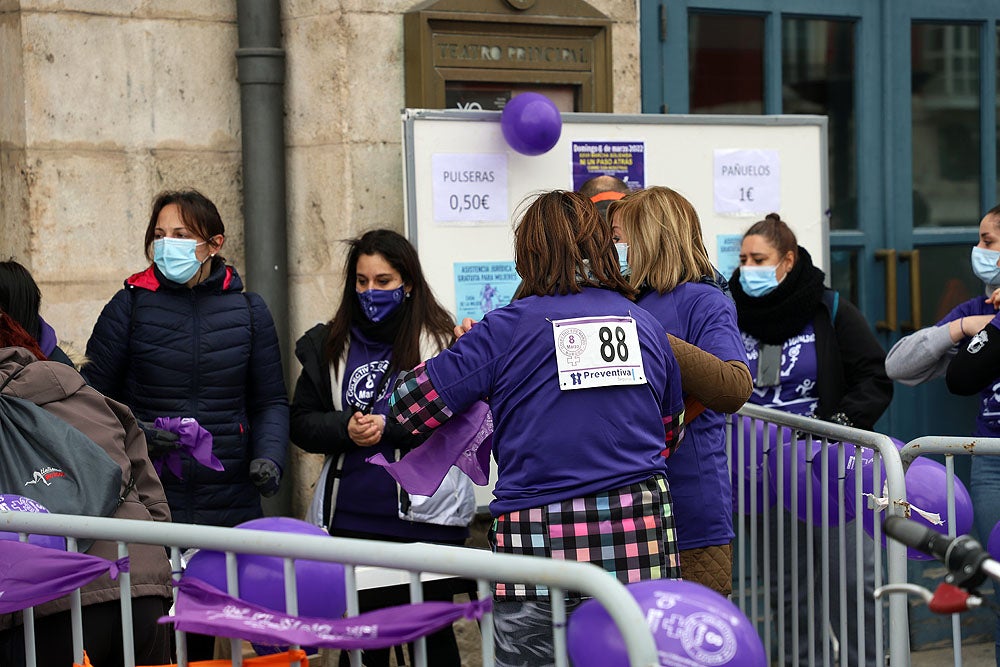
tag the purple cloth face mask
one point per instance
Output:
(379, 304)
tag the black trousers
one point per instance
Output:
(102, 636)
(442, 648)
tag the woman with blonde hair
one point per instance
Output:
(667, 261)
(586, 402)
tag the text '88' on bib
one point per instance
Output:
(597, 352)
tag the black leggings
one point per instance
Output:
(102, 636)
(442, 648)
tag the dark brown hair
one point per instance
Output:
(561, 244)
(199, 214)
(422, 311)
(20, 296)
(777, 233)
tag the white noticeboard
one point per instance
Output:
(465, 187)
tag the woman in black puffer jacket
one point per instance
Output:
(182, 339)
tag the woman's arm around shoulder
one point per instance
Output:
(267, 398)
(107, 348)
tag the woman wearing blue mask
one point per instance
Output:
(388, 320)
(182, 339)
(962, 345)
(810, 353)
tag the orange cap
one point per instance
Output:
(605, 196)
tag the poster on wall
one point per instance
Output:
(622, 159)
(728, 256)
(482, 286)
(747, 182)
(469, 188)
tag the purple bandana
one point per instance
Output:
(465, 440)
(31, 575)
(192, 438)
(203, 609)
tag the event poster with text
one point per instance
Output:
(623, 159)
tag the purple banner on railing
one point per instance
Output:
(31, 575)
(203, 609)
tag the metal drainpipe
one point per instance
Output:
(261, 72)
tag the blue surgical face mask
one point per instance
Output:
(984, 265)
(622, 250)
(758, 280)
(176, 258)
(379, 304)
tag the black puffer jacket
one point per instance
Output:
(208, 352)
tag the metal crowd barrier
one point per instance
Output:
(480, 565)
(949, 447)
(791, 571)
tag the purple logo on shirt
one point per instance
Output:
(572, 343)
(363, 382)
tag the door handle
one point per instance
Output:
(913, 257)
(888, 255)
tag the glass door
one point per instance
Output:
(913, 148)
(944, 153)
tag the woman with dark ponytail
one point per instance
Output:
(811, 353)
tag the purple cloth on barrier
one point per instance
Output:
(204, 609)
(192, 438)
(465, 440)
(31, 575)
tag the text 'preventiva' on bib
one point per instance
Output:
(597, 352)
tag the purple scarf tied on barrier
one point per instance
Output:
(31, 575)
(192, 438)
(465, 440)
(204, 609)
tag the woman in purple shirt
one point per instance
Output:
(666, 261)
(586, 402)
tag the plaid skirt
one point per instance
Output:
(630, 532)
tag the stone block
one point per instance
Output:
(374, 83)
(626, 68)
(12, 75)
(203, 10)
(318, 197)
(122, 83)
(317, 60)
(375, 177)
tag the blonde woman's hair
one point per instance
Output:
(664, 237)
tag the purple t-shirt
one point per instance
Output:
(796, 391)
(367, 500)
(699, 476)
(988, 419)
(553, 445)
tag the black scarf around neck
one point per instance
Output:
(384, 331)
(783, 313)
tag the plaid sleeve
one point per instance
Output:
(416, 404)
(674, 428)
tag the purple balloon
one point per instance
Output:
(531, 123)
(691, 624)
(927, 488)
(13, 503)
(320, 585)
(993, 544)
(759, 440)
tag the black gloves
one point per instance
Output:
(158, 442)
(266, 476)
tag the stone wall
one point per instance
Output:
(103, 103)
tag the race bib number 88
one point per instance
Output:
(597, 352)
